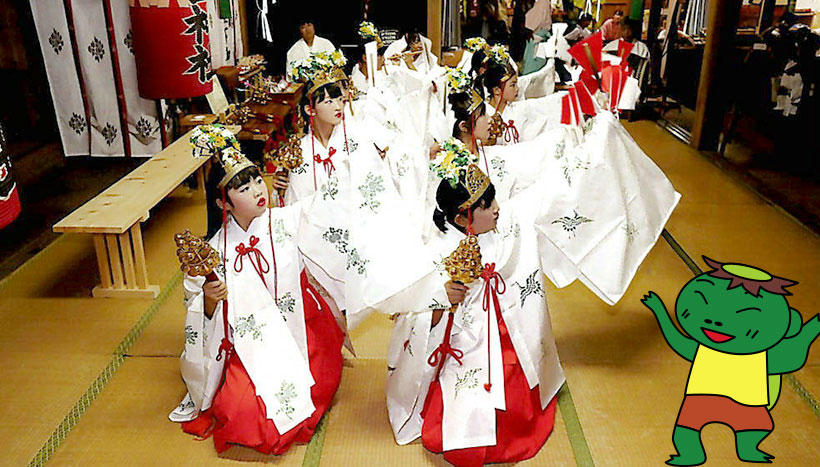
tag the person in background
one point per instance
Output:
(611, 29)
(538, 22)
(640, 51)
(578, 31)
(358, 74)
(308, 44)
(414, 49)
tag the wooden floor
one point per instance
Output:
(90, 381)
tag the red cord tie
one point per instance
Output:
(225, 348)
(439, 356)
(256, 258)
(492, 279)
(442, 351)
(327, 163)
(510, 132)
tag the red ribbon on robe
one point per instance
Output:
(492, 279)
(510, 132)
(328, 162)
(255, 256)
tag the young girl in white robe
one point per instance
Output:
(262, 357)
(494, 398)
(513, 119)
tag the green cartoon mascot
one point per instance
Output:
(740, 336)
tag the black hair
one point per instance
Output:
(304, 20)
(449, 199)
(412, 35)
(493, 76)
(585, 17)
(477, 62)
(460, 103)
(213, 192)
(328, 91)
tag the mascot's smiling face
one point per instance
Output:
(736, 309)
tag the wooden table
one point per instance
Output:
(113, 218)
(281, 105)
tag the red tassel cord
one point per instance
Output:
(492, 281)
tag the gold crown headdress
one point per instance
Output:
(319, 69)
(458, 166)
(460, 82)
(219, 142)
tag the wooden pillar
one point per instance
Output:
(434, 25)
(715, 72)
(243, 15)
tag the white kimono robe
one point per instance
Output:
(424, 62)
(313, 176)
(261, 325)
(469, 410)
(529, 117)
(300, 50)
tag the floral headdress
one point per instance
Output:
(498, 55)
(460, 82)
(220, 143)
(368, 32)
(457, 165)
(319, 69)
(474, 44)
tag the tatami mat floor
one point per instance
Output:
(71, 398)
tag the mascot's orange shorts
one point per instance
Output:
(701, 409)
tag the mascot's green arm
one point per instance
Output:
(790, 354)
(682, 345)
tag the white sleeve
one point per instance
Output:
(292, 56)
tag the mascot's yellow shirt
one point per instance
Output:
(740, 377)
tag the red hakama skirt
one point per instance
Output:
(238, 416)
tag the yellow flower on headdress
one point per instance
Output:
(457, 80)
(474, 44)
(338, 59)
(368, 31)
(499, 55)
(207, 140)
(452, 160)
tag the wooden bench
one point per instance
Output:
(113, 218)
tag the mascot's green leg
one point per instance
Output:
(690, 449)
(747, 442)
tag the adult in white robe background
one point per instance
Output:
(425, 61)
(309, 44)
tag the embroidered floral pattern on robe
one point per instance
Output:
(468, 380)
(248, 325)
(286, 304)
(286, 394)
(373, 185)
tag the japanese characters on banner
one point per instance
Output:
(172, 47)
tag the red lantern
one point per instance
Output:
(9, 197)
(171, 48)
